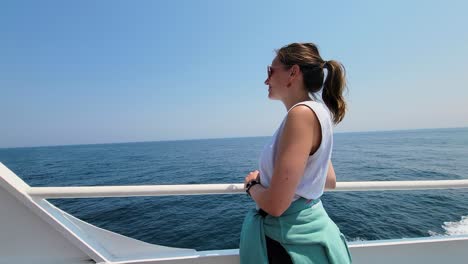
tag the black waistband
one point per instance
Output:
(262, 213)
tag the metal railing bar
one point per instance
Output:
(205, 189)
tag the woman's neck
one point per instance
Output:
(290, 102)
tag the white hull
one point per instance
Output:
(34, 231)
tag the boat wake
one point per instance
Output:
(356, 239)
(454, 228)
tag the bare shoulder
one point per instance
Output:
(302, 114)
(303, 127)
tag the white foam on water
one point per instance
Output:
(356, 239)
(454, 228)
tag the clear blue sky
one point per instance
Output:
(78, 72)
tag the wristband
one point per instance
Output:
(249, 185)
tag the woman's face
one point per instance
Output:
(277, 80)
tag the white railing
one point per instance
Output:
(203, 189)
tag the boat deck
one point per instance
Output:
(35, 231)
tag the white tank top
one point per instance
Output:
(315, 173)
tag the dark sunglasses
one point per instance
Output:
(270, 70)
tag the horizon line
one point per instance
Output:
(194, 139)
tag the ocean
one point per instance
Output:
(209, 222)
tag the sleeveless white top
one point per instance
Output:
(312, 183)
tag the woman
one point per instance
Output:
(290, 225)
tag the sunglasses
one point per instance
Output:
(271, 70)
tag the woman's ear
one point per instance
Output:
(294, 71)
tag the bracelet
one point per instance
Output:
(249, 185)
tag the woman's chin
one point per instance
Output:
(272, 96)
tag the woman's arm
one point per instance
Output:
(331, 177)
(298, 136)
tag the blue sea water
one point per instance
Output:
(214, 221)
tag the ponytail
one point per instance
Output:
(307, 57)
(333, 88)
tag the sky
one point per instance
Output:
(87, 72)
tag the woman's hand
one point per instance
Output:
(253, 175)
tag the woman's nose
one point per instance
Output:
(267, 81)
